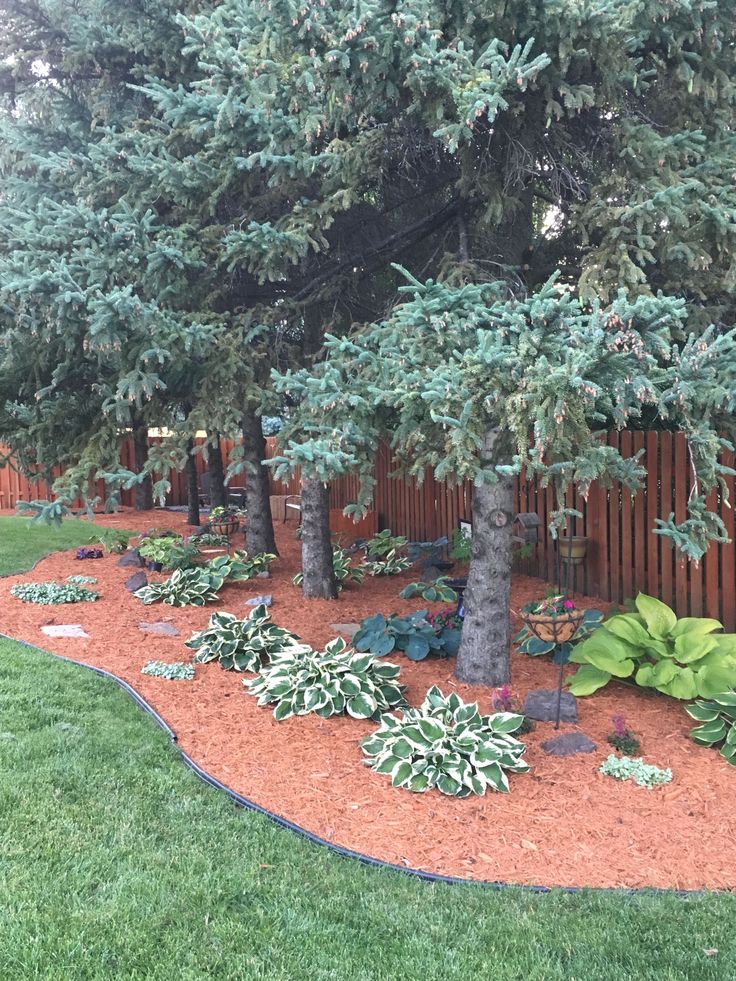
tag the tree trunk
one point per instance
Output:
(259, 536)
(192, 486)
(319, 574)
(484, 658)
(144, 490)
(216, 470)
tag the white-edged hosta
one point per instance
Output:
(241, 645)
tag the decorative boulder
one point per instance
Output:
(130, 559)
(541, 705)
(137, 581)
(569, 744)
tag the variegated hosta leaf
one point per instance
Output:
(184, 587)
(330, 682)
(241, 645)
(447, 744)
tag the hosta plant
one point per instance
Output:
(643, 774)
(382, 544)
(241, 645)
(718, 718)
(431, 592)
(447, 744)
(413, 634)
(185, 587)
(52, 593)
(390, 565)
(239, 567)
(328, 682)
(344, 571)
(683, 658)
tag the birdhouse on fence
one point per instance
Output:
(525, 528)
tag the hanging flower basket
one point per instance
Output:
(554, 620)
(224, 526)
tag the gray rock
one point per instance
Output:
(265, 600)
(65, 630)
(541, 705)
(136, 581)
(569, 744)
(130, 559)
(159, 627)
(350, 629)
(264, 575)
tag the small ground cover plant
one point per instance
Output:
(684, 658)
(328, 682)
(622, 738)
(88, 552)
(52, 593)
(241, 645)
(344, 571)
(82, 580)
(718, 718)
(431, 592)
(643, 774)
(171, 671)
(414, 635)
(447, 744)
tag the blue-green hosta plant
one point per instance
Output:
(344, 571)
(447, 744)
(431, 592)
(684, 658)
(184, 587)
(241, 645)
(390, 565)
(328, 682)
(718, 718)
(413, 634)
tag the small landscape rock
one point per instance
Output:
(131, 558)
(264, 575)
(136, 581)
(265, 600)
(569, 744)
(350, 629)
(541, 705)
(159, 627)
(65, 630)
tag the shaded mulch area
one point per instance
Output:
(563, 824)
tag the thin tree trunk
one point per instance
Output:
(259, 536)
(216, 470)
(483, 658)
(192, 485)
(319, 574)
(144, 490)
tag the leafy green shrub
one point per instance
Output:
(414, 635)
(383, 543)
(718, 716)
(643, 774)
(391, 565)
(238, 567)
(176, 671)
(682, 658)
(461, 546)
(449, 745)
(52, 593)
(112, 540)
(327, 682)
(211, 540)
(344, 571)
(241, 645)
(184, 587)
(431, 592)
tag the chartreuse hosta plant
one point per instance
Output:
(718, 718)
(241, 645)
(52, 593)
(390, 565)
(328, 682)
(344, 571)
(431, 592)
(683, 658)
(447, 744)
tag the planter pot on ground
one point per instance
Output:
(554, 629)
(155, 566)
(573, 551)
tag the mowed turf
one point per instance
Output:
(117, 862)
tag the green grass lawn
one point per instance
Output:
(22, 545)
(117, 862)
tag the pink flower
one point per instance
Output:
(569, 605)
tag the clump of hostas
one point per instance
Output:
(52, 593)
(241, 645)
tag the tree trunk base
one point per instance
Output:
(319, 574)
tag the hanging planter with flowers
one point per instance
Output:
(554, 620)
(225, 521)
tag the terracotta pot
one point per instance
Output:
(554, 629)
(573, 554)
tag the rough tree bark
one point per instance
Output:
(216, 470)
(192, 486)
(483, 658)
(259, 536)
(144, 490)
(319, 574)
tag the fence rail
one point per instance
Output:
(623, 555)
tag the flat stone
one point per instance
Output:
(159, 627)
(65, 630)
(541, 705)
(265, 600)
(130, 559)
(569, 744)
(136, 581)
(264, 575)
(350, 629)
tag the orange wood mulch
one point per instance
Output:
(563, 824)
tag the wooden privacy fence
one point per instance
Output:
(623, 555)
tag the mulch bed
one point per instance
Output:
(563, 824)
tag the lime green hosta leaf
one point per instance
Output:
(713, 678)
(683, 685)
(726, 644)
(628, 627)
(606, 653)
(658, 617)
(588, 679)
(690, 626)
(693, 647)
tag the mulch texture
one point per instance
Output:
(563, 824)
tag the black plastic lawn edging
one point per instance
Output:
(369, 860)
